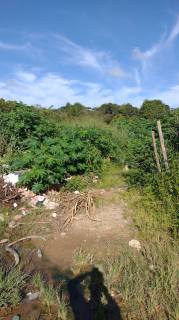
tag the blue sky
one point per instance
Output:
(97, 51)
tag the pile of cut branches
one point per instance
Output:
(72, 204)
(8, 192)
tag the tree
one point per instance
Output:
(128, 110)
(154, 109)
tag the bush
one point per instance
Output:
(75, 151)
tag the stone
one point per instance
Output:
(39, 253)
(54, 215)
(17, 217)
(32, 295)
(135, 244)
(76, 192)
(12, 224)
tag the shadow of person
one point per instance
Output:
(95, 308)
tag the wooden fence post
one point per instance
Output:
(164, 152)
(156, 152)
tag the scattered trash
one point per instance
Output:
(76, 192)
(50, 204)
(69, 178)
(16, 317)
(39, 253)
(32, 295)
(54, 215)
(12, 178)
(135, 244)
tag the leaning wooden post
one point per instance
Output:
(156, 152)
(164, 152)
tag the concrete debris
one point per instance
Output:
(135, 244)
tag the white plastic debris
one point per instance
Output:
(33, 295)
(12, 178)
(135, 244)
(40, 198)
(15, 205)
(39, 253)
(76, 192)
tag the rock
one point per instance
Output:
(12, 224)
(17, 217)
(12, 178)
(76, 192)
(39, 253)
(3, 241)
(135, 244)
(50, 204)
(32, 295)
(54, 215)
(2, 218)
(15, 205)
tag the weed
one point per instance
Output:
(11, 284)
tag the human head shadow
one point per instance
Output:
(93, 308)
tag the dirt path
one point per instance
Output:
(102, 237)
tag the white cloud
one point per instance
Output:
(53, 89)
(169, 96)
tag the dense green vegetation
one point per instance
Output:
(52, 144)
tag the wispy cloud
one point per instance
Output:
(147, 56)
(12, 46)
(174, 32)
(97, 59)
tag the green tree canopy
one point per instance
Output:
(154, 109)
